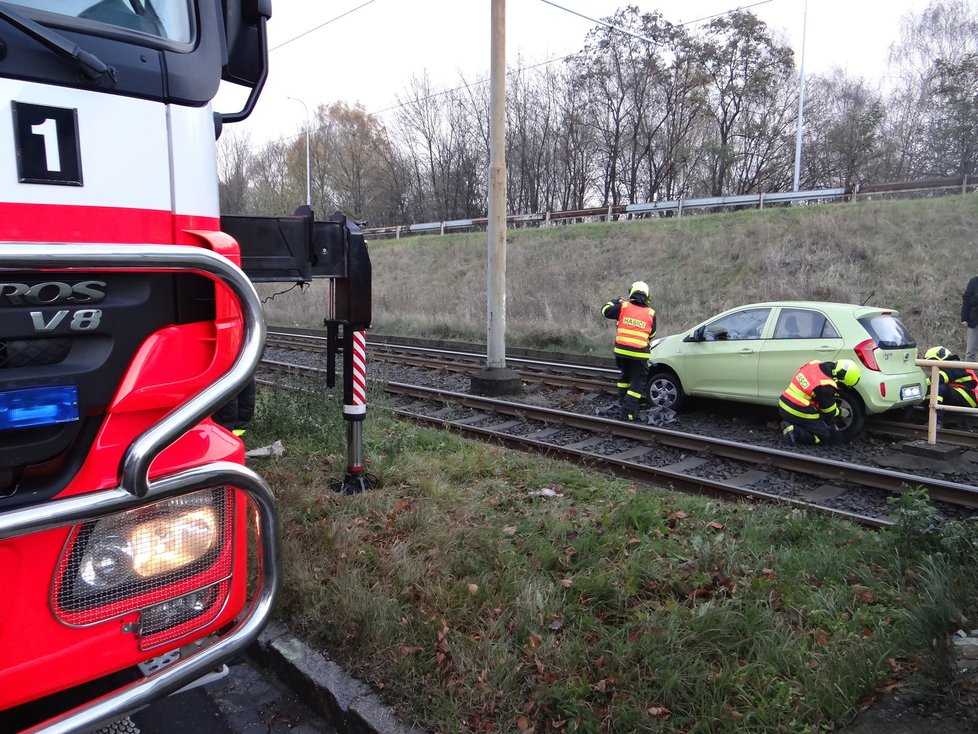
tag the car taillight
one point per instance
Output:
(170, 561)
(866, 351)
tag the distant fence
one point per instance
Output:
(676, 208)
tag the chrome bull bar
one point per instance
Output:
(135, 489)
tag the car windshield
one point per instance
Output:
(166, 19)
(887, 331)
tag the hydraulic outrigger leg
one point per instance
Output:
(354, 411)
(300, 249)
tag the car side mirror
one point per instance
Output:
(696, 335)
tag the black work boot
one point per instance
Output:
(788, 433)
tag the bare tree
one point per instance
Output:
(276, 189)
(233, 161)
(449, 162)
(843, 142)
(749, 73)
(354, 156)
(932, 60)
(530, 122)
(574, 146)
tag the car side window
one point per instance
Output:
(737, 326)
(796, 323)
(829, 331)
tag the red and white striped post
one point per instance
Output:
(355, 403)
(355, 410)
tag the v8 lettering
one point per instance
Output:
(84, 319)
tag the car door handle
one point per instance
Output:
(746, 350)
(824, 348)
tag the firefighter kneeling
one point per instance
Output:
(957, 386)
(809, 407)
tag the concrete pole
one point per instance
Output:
(801, 97)
(496, 315)
(496, 379)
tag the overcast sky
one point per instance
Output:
(366, 51)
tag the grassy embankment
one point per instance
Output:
(473, 604)
(914, 256)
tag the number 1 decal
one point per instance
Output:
(49, 131)
(46, 142)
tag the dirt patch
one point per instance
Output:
(896, 713)
(919, 705)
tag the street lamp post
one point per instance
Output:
(308, 170)
(801, 98)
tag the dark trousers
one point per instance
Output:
(953, 396)
(239, 410)
(631, 384)
(812, 431)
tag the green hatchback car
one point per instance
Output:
(750, 353)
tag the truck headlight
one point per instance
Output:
(145, 556)
(121, 549)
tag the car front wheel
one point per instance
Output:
(665, 391)
(851, 426)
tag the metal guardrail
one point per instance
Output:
(960, 184)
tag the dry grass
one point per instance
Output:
(474, 604)
(914, 256)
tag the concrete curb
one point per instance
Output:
(343, 701)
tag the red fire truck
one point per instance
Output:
(137, 552)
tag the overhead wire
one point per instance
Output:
(443, 92)
(321, 25)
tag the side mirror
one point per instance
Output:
(695, 336)
(247, 46)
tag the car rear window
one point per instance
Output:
(887, 331)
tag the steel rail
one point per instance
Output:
(886, 480)
(674, 479)
(955, 493)
(915, 431)
(877, 478)
(459, 355)
(570, 377)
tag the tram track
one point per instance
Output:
(666, 457)
(596, 375)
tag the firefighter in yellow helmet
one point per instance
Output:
(636, 326)
(809, 406)
(956, 386)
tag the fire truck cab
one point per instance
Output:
(137, 552)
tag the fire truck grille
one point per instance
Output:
(15, 353)
(90, 347)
